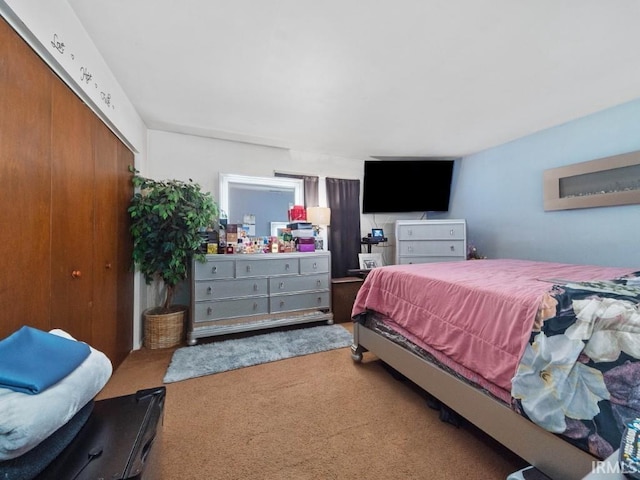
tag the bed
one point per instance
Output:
(474, 333)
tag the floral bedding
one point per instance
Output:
(474, 316)
(579, 376)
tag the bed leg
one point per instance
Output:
(357, 352)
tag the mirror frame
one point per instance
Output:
(228, 179)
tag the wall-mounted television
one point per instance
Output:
(395, 186)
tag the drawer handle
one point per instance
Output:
(319, 299)
(76, 274)
(255, 287)
(281, 286)
(287, 267)
(318, 282)
(248, 268)
(214, 269)
(451, 232)
(282, 303)
(255, 306)
(209, 310)
(409, 248)
(315, 266)
(453, 248)
(209, 290)
(410, 232)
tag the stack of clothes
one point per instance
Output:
(48, 381)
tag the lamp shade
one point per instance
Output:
(319, 215)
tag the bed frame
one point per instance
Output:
(553, 456)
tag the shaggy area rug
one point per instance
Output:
(209, 358)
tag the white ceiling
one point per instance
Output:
(361, 78)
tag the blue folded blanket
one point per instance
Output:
(32, 360)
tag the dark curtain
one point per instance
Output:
(343, 198)
(310, 191)
(310, 188)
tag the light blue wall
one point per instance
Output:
(499, 192)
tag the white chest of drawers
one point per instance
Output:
(423, 241)
(243, 292)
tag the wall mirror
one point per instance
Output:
(262, 199)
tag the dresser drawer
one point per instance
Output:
(298, 284)
(218, 289)
(256, 267)
(433, 231)
(427, 259)
(212, 269)
(302, 301)
(446, 248)
(314, 264)
(207, 311)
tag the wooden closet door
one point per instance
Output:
(105, 244)
(125, 252)
(65, 248)
(72, 181)
(25, 185)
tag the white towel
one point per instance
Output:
(26, 420)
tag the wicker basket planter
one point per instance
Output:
(164, 330)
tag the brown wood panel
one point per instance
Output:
(125, 252)
(25, 173)
(72, 180)
(65, 191)
(343, 294)
(105, 246)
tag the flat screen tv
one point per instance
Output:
(395, 186)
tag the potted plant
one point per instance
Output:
(167, 219)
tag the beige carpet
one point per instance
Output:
(319, 416)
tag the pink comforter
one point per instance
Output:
(477, 313)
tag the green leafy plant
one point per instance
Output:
(167, 218)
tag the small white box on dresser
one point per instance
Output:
(424, 241)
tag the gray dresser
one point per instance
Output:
(242, 292)
(423, 241)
